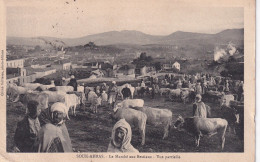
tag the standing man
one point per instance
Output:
(198, 88)
(54, 136)
(104, 98)
(104, 87)
(153, 91)
(63, 82)
(28, 129)
(240, 91)
(179, 84)
(227, 86)
(73, 83)
(143, 85)
(199, 108)
(204, 87)
(126, 92)
(112, 94)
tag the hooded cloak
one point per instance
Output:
(126, 143)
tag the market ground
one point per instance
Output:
(91, 132)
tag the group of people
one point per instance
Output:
(46, 131)
(72, 82)
(43, 131)
(200, 82)
(108, 94)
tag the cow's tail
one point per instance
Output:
(170, 121)
(222, 134)
(143, 127)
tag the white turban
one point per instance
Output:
(58, 106)
(198, 96)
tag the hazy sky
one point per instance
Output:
(69, 18)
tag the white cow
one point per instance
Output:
(13, 92)
(42, 99)
(55, 96)
(80, 89)
(164, 91)
(31, 86)
(64, 88)
(91, 96)
(203, 126)
(71, 102)
(129, 103)
(96, 101)
(46, 87)
(133, 117)
(175, 94)
(225, 100)
(89, 88)
(156, 116)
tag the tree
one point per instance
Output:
(143, 56)
(37, 48)
(158, 66)
(91, 45)
(231, 59)
(224, 73)
(234, 69)
(149, 58)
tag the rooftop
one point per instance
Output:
(38, 69)
(13, 58)
(59, 62)
(127, 67)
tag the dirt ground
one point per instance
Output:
(91, 132)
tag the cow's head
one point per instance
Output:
(222, 102)
(14, 96)
(184, 94)
(179, 122)
(117, 106)
(78, 100)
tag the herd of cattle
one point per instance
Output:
(134, 110)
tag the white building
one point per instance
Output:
(176, 65)
(62, 65)
(15, 63)
(44, 72)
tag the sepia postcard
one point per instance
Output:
(129, 80)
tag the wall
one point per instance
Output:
(66, 66)
(12, 80)
(22, 79)
(131, 71)
(15, 63)
(58, 67)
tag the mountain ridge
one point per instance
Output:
(132, 37)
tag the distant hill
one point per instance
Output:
(115, 37)
(136, 38)
(45, 42)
